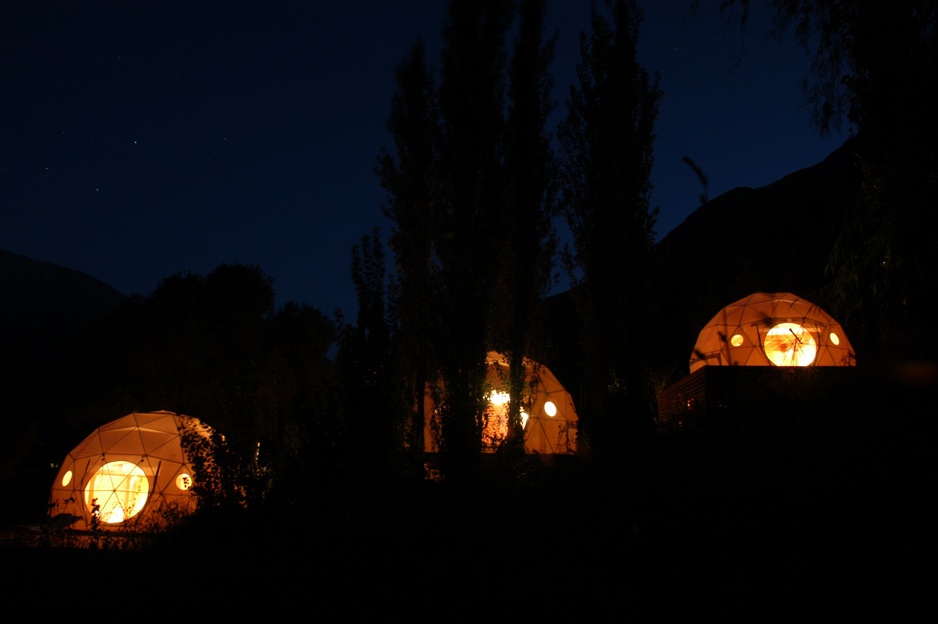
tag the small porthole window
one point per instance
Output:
(184, 482)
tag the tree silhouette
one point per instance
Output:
(607, 140)
(213, 347)
(469, 194)
(410, 177)
(298, 427)
(472, 106)
(526, 238)
(367, 372)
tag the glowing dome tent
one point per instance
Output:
(128, 472)
(548, 415)
(772, 329)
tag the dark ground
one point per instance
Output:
(816, 517)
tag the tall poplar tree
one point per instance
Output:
(527, 240)
(363, 361)
(410, 176)
(607, 140)
(472, 105)
(469, 187)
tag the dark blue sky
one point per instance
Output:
(142, 139)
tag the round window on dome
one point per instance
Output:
(184, 482)
(790, 344)
(118, 490)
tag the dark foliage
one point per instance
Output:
(607, 140)
(469, 187)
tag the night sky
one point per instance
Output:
(139, 139)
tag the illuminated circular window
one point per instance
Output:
(790, 344)
(66, 478)
(183, 482)
(119, 489)
(736, 340)
(835, 339)
(550, 409)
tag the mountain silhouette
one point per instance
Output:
(774, 238)
(47, 311)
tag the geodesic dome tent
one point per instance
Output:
(772, 329)
(127, 472)
(548, 415)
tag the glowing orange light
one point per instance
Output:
(119, 489)
(790, 344)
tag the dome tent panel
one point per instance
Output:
(127, 472)
(549, 417)
(552, 427)
(772, 329)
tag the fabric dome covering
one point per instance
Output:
(772, 329)
(550, 418)
(127, 471)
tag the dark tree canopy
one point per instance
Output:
(410, 178)
(215, 348)
(526, 238)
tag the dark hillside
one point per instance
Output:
(771, 239)
(47, 315)
(47, 311)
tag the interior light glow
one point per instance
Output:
(183, 482)
(120, 490)
(736, 340)
(790, 344)
(498, 425)
(550, 409)
(66, 478)
(835, 339)
(499, 398)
